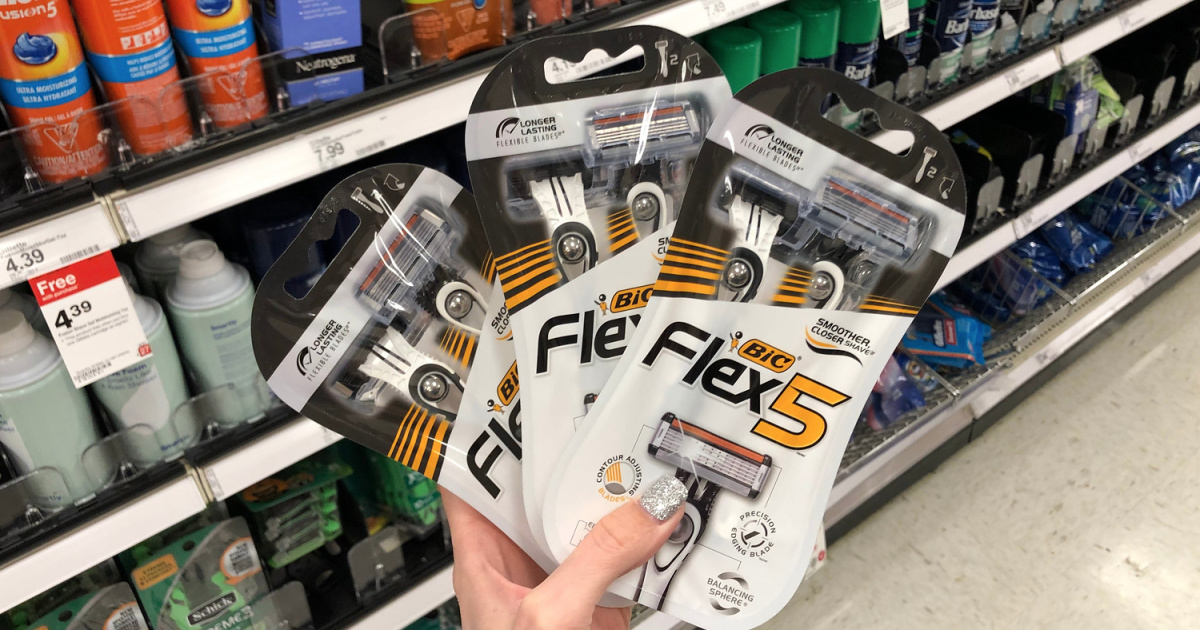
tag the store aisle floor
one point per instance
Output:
(1079, 509)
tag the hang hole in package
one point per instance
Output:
(801, 254)
(402, 344)
(579, 149)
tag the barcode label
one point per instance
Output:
(240, 559)
(43, 247)
(378, 145)
(128, 617)
(89, 373)
(80, 255)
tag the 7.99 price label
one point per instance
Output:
(91, 318)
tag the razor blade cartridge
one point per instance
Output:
(636, 134)
(408, 263)
(711, 457)
(864, 219)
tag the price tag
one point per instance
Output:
(1139, 150)
(39, 248)
(1020, 77)
(1131, 20)
(342, 145)
(720, 12)
(820, 553)
(91, 318)
(895, 17)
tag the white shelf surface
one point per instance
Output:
(261, 169)
(1116, 26)
(98, 540)
(233, 472)
(47, 245)
(412, 604)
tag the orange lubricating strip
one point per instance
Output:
(683, 287)
(712, 438)
(868, 202)
(600, 122)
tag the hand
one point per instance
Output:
(500, 588)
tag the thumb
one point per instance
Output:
(619, 543)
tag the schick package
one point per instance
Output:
(801, 254)
(206, 580)
(403, 344)
(110, 608)
(579, 149)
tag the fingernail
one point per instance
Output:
(663, 497)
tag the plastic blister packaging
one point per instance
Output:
(381, 347)
(801, 252)
(580, 148)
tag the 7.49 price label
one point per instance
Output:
(91, 318)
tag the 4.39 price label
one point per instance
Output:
(91, 318)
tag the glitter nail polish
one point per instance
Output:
(663, 497)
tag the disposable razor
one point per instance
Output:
(705, 463)
(848, 230)
(560, 199)
(643, 144)
(425, 380)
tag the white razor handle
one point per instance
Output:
(422, 378)
(755, 228)
(572, 239)
(664, 564)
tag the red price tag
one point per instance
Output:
(91, 318)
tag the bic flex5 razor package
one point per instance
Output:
(801, 253)
(380, 348)
(580, 148)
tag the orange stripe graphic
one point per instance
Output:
(684, 287)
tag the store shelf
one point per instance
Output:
(41, 247)
(261, 169)
(1098, 175)
(230, 473)
(412, 604)
(101, 539)
(1118, 25)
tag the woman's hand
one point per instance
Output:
(500, 588)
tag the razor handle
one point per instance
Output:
(660, 570)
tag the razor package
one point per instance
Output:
(580, 148)
(801, 253)
(380, 348)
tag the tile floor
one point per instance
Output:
(1079, 509)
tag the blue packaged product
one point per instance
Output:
(948, 21)
(892, 396)
(1119, 210)
(984, 14)
(1182, 157)
(858, 43)
(1017, 284)
(916, 373)
(945, 333)
(330, 31)
(1078, 245)
(909, 42)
